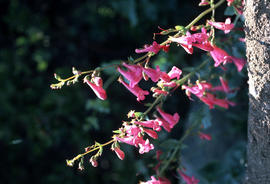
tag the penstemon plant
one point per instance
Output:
(141, 127)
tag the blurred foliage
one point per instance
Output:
(40, 127)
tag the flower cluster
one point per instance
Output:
(135, 73)
(140, 127)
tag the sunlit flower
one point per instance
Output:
(145, 147)
(204, 2)
(175, 73)
(226, 26)
(97, 86)
(155, 181)
(154, 74)
(154, 124)
(171, 119)
(155, 48)
(133, 74)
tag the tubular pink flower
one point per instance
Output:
(119, 153)
(132, 130)
(151, 133)
(224, 86)
(175, 73)
(155, 181)
(206, 46)
(159, 91)
(188, 179)
(169, 84)
(198, 89)
(136, 90)
(205, 136)
(226, 26)
(230, 2)
(133, 74)
(185, 42)
(155, 47)
(171, 119)
(152, 73)
(204, 2)
(96, 86)
(154, 124)
(164, 124)
(239, 62)
(220, 56)
(128, 140)
(145, 147)
(211, 100)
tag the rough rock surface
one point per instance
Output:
(257, 30)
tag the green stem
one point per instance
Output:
(204, 13)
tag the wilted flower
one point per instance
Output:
(155, 48)
(188, 179)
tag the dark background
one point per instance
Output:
(40, 127)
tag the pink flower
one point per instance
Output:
(185, 42)
(205, 136)
(154, 124)
(198, 89)
(132, 130)
(227, 26)
(155, 47)
(145, 147)
(220, 56)
(224, 86)
(151, 133)
(128, 140)
(96, 86)
(159, 91)
(239, 62)
(164, 124)
(136, 90)
(119, 153)
(175, 73)
(133, 74)
(171, 119)
(155, 181)
(204, 2)
(206, 46)
(188, 179)
(152, 73)
(211, 100)
(230, 2)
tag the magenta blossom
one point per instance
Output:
(198, 89)
(164, 124)
(220, 56)
(132, 130)
(188, 179)
(230, 2)
(171, 119)
(133, 74)
(154, 74)
(145, 146)
(204, 2)
(155, 48)
(136, 90)
(226, 26)
(211, 100)
(119, 153)
(97, 87)
(239, 62)
(154, 124)
(224, 86)
(205, 136)
(185, 42)
(151, 133)
(175, 73)
(155, 181)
